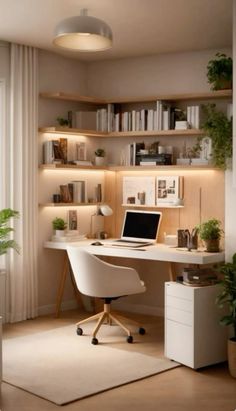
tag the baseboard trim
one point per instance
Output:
(51, 308)
(138, 308)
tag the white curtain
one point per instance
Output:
(22, 182)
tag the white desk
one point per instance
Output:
(157, 252)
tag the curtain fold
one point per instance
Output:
(22, 287)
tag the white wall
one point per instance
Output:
(230, 183)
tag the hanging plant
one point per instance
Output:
(219, 129)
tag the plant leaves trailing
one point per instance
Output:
(219, 129)
(5, 243)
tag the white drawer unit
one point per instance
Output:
(193, 335)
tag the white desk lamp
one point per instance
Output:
(97, 220)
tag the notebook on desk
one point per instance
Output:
(140, 228)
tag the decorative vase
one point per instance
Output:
(232, 356)
(99, 161)
(212, 246)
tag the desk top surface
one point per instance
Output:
(157, 252)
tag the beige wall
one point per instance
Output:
(167, 73)
(164, 73)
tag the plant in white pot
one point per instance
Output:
(59, 225)
(227, 297)
(100, 157)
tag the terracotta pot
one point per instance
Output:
(223, 84)
(232, 357)
(212, 246)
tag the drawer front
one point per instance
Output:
(180, 316)
(179, 290)
(179, 303)
(179, 343)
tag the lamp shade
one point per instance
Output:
(105, 210)
(83, 33)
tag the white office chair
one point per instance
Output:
(97, 278)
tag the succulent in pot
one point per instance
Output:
(59, 225)
(211, 232)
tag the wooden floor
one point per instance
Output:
(180, 389)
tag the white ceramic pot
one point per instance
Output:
(99, 161)
(59, 233)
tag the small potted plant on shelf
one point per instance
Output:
(59, 225)
(100, 156)
(219, 72)
(63, 122)
(5, 242)
(219, 128)
(227, 298)
(210, 232)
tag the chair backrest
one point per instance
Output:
(98, 278)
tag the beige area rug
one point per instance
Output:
(62, 367)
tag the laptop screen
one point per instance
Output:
(141, 225)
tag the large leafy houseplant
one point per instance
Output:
(227, 295)
(219, 72)
(219, 129)
(227, 298)
(5, 230)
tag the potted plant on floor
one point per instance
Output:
(227, 297)
(59, 225)
(210, 232)
(5, 242)
(219, 72)
(100, 157)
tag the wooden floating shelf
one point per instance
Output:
(70, 166)
(151, 206)
(126, 168)
(68, 204)
(73, 97)
(73, 131)
(90, 133)
(219, 94)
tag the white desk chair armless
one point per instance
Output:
(97, 278)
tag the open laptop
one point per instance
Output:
(140, 228)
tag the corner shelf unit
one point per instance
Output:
(211, 95)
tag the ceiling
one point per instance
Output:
(140, 27)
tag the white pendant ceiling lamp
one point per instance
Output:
(83, 33)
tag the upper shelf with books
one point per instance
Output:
(219, 94)
(145, 133)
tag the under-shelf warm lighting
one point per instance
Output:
(83, 33)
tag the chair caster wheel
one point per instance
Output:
(79, 331)
(142, 331)
(129, 339)
(94, 341)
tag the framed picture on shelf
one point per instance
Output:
(168, 190)
(72, 220)
(139, 191)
